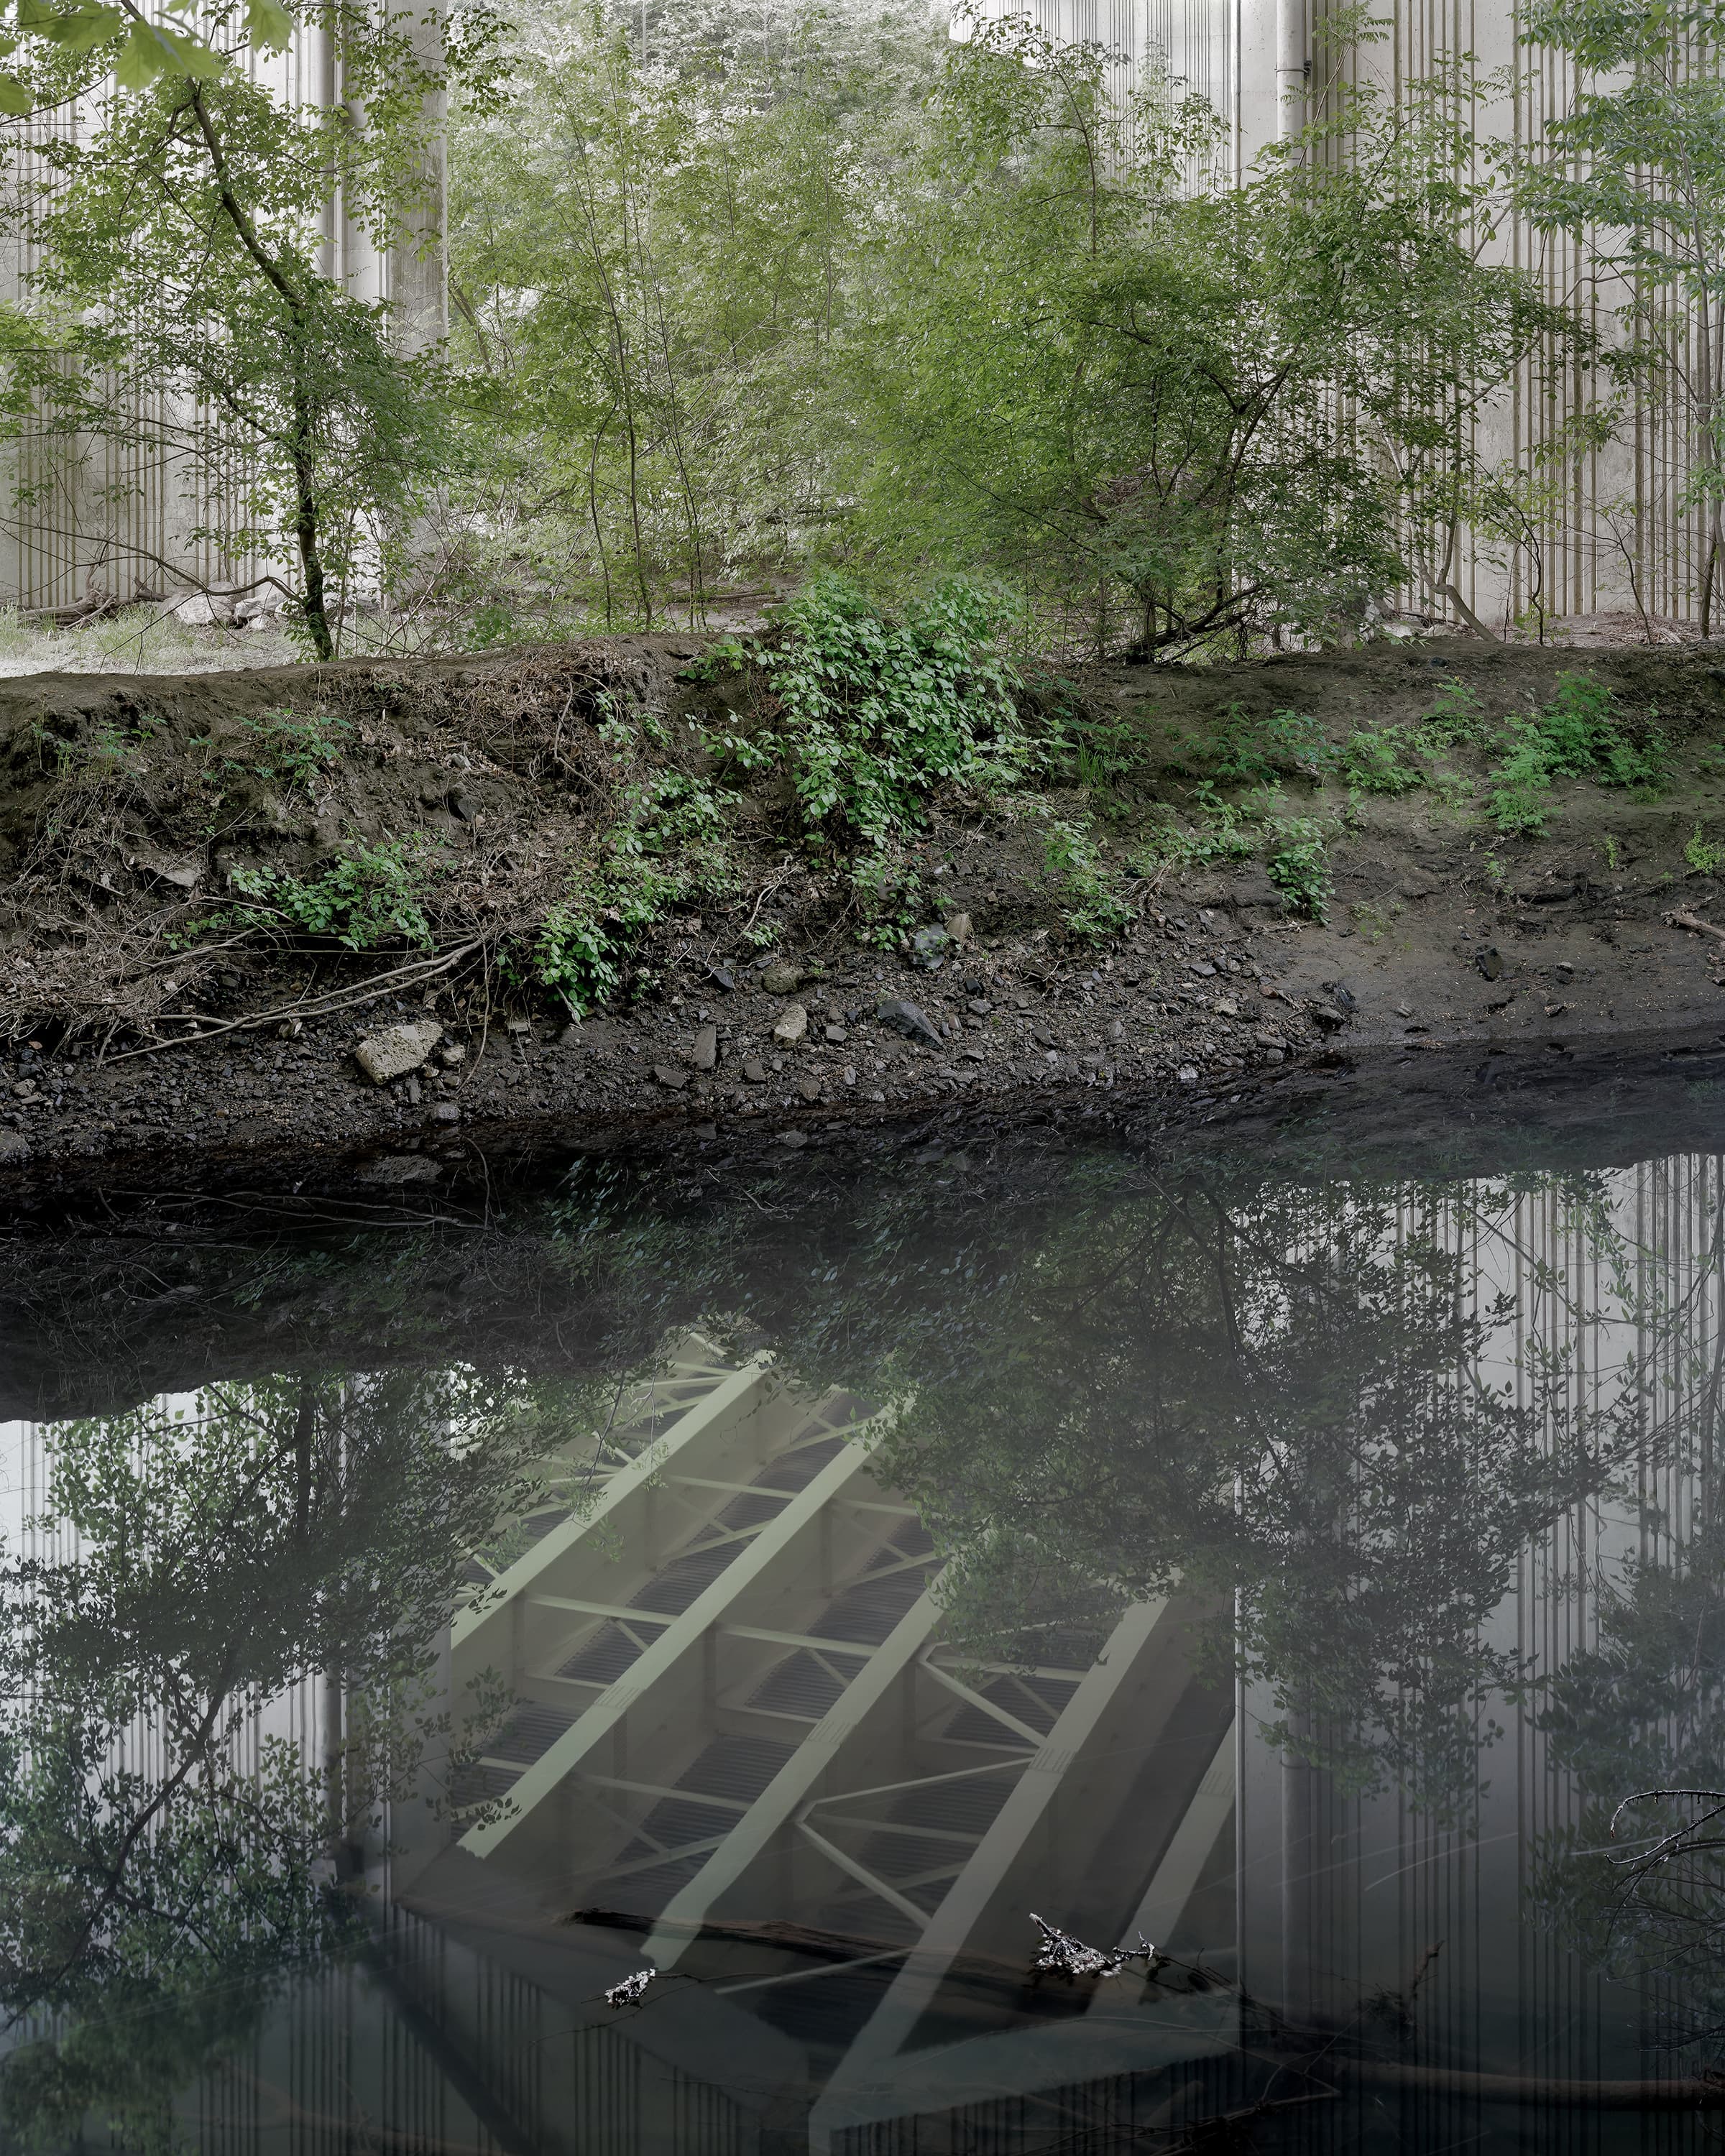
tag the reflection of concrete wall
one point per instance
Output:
(1342, 1897)
(1617, 529)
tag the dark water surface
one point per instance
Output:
(1282, 1554)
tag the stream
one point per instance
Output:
(1013, 1644)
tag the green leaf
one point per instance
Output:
(268, 24)
(141, 59)
(78, 28)
(14, 98)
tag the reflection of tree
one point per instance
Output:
(167, 1849)
(1643, 1709)
(1274, 1391)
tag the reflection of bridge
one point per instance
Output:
(736, 1708)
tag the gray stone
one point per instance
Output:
(13, 1146)
(450, 1056)
(908, 1019)
(794, 1138)
(704, 1054)
(396, 1049)
(398, 1167)
(782, 978)
(1226, 1007)
(958, 928)
(929, 948)
(837, 1035)
(446, 1112)
(793, 1025)
(1327, 1017)
(754, 1070)
(668, 1074)
(1490, 963)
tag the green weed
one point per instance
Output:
(889, 897)
(1258, 752)
(1299, 865)
(1702, 855)
(1577, 734)
(371, 895)
(1376, 762)
(1096, 906)
(870, 714)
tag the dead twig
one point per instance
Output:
(1681, 917)
(326, 1006)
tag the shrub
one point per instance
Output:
(868, 715)
(371, 895)
(1096, 906)
(1577, 734)
(1299, 865)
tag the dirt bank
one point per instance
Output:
(149, 1047)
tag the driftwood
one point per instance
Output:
(1682, 917)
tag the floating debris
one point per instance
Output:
(1061, 1955)
(628, 1992)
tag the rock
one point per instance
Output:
(24, 1089)
(721, 977)
(670, 1074)
(849, 1074)
(809, 1088)
(445, 1111)
(398, 1167)
(837, 1035)
(13, 1146)
(908, 1019)
(1342, 995)
(1226, 1007)
(184, 876)
(754, 1070)
(782, 978)
(396, 1049)
(980, 1005)
(958, 928)
(1415, 882)
(1327, 1017)
(463, 804)
(1188, 1075)
(516, 1028)
(793, 1025)
(704, 1054)
(451, 1055)
(707, 1130)
(794, 1138)
(1264, 1038)
(929, 948)
(257, 608)
(1490, 963)
(202, 611)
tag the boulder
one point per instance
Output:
(782, 978)
(704, 1054)
(793, 1025)
(394, 1050)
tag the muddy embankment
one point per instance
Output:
(142, 1047)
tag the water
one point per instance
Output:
(1281, 1551)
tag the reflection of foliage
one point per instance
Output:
(1273, 1393)
(1642, 1890)
(165, 1852)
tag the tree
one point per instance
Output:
(181, 307)
(654, 256)
(1636, 170)
(1106, 368)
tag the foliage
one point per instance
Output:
(1577, 734)
(1377, 760)
(371, 894)
(868, 715)
(1258, 752)
(1635, 170)
(1101, 366)
(653, 252)
(1705, 856)
(1299, 865)
(298, 746)
(1096, 907)
(177, 309)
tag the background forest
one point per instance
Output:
(744, 293)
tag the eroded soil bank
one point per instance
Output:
(138, 1060)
